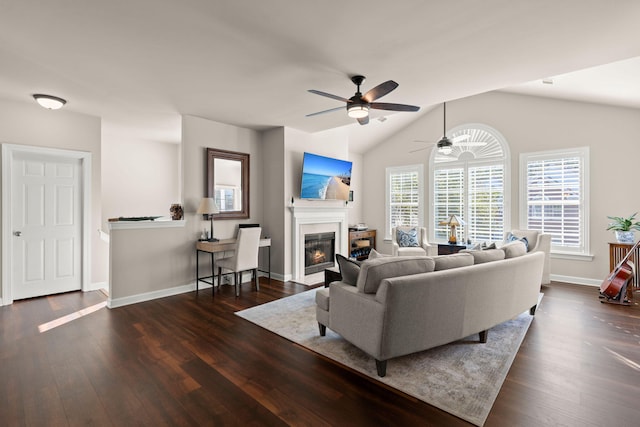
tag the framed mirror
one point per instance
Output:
(228, 183)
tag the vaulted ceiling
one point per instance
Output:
(141, 64)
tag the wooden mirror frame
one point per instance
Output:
(243, 158)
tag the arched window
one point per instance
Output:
(471, 182)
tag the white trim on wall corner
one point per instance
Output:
(148, 296)
(575, 280)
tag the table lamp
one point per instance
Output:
(453, 222)
(208, 207)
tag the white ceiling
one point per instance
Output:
(141, 64)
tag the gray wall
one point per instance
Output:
(532, 124)
(29, 124)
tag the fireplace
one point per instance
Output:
(316, 219)
(319, 252)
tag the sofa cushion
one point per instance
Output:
(407, 238)
(322, 298)
(349, 269)
(412, 251)
(487, 255)
(513, 238)
(375, 254)
(373, 271)
(514, 249)
(445, 262)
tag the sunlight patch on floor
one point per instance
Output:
(69, 317)
(630, 363)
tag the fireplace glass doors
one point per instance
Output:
(319, 252)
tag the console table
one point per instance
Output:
(448, 249)
(222, 246)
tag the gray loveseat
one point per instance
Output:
(403, 305)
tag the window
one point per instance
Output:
(404, 197)
(554, 189)
(471, 182)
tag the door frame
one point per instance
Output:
(8, 152)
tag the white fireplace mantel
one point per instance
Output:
(307, 215)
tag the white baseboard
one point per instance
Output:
(575, 280)
(97, 286)
(148, 296)
(162, 293)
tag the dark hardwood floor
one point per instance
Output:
(188, 360)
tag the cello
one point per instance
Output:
(616, 283)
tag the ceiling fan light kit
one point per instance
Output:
(445, 146)
(358, 105)
(358, 111)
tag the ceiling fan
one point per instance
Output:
(445, 145)
(358, 105)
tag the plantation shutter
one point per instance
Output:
(486, 203)
(554, 199)
(448, 198)
(404, 195)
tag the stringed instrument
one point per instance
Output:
(618, 279)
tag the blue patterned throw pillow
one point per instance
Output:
(408, 238)
(512, 238)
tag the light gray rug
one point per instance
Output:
(462, 378)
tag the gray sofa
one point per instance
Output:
(403, 305)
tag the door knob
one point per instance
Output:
(17, 233)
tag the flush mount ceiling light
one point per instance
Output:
(49, 101)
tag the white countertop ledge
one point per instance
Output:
(140, 225)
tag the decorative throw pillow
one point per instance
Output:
(408, 238)
(375, 254)
(512, 238)
(514, 249)
(349, 269)
(487, 247)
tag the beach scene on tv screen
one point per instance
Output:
(325, 178)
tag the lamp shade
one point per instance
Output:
(453, 220)
(207, 206)
(49, 101)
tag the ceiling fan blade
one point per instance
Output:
(328, 95)
(325, 111)
(393, 107)
(418, 149)
(460, 138)
(470, 143)
(363, 120)
(379, 91)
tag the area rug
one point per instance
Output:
(462, 378)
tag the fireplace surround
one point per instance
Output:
(316, 219)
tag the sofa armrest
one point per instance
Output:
(357, 316)
(394, 248)
(429, 249)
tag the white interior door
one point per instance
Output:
(46, 222)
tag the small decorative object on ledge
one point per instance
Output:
(624, 228)
(177, 213)
(134, 218)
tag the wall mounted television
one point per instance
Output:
(325, 178)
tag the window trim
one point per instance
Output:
(583, 153)
(464, 164)
(419, 168)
